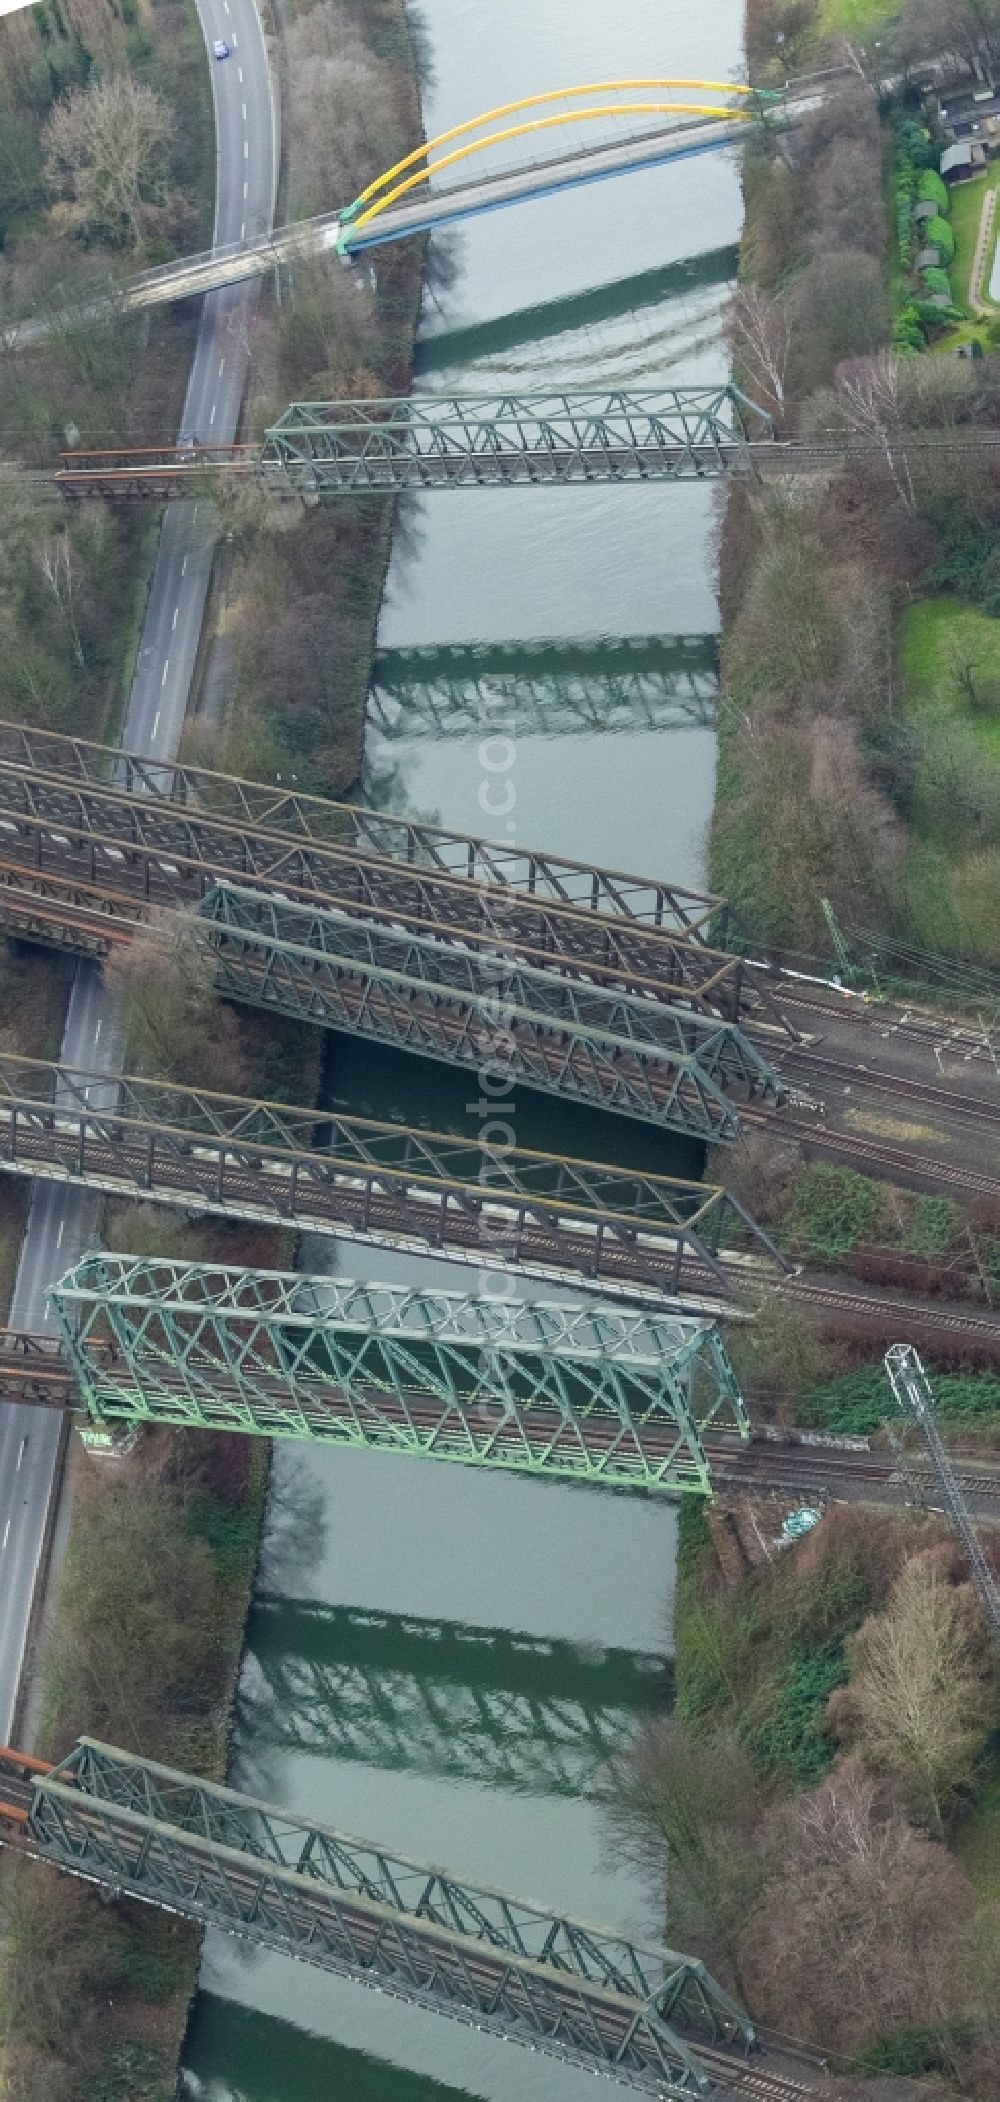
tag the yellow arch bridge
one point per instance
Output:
(719, 105)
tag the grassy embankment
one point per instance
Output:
(145, 1636)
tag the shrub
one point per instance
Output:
(857, 1403)
(939, 235)
(933, 1228)
(931, 316)
(794, 1740)
(932, 189)
(904, 223)
(832, 1209)
(935, 280)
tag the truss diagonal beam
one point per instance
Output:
(593, 1392)
(635, 1057)
(143, 846)
(316, 822)
(350, 448)
(588, 1996)
(326, 1173)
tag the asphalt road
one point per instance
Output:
(62, 1223)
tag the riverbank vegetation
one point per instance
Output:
(142, 1643)
(805, 1804)
(840, 777)
(303, 584)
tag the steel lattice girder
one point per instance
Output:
(143, 847)
(592, 1391)
(587, 1995)
(345, 448)
(545, 688)
(249, 804)
(639, 1058)
(327, 1173)
(443, 1696)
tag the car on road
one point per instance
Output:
(220, 48)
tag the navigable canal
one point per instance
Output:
(438, 1658)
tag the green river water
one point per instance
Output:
(442, 1659)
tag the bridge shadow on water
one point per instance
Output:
(448, 347)
(546, 688)
(409, 1694)
(236, 2054)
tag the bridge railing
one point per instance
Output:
(586, 1994)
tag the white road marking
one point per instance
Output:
(239, 70)
(20, 1455)
(246, 189)
(222, 367)
(173, 623)
(59, 1236)
(97, 1032)
(6, 1534)
(166, 668)
(244, 109)
(184, 565)
(246, 149)
(212, 417)
(156, 722)
(243, 230)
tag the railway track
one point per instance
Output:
(950, 1101)
(896, 1163)
(958, 1039)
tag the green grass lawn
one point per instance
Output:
(952, 868)
(859, 18)
(927, 634)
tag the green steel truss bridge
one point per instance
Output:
(628, 1233)
(333, 449)
(562, 1035)
(609, 986)
(654, 2020)
(591, 1391)
(361, 447)
(397, 1691)
(545, 688)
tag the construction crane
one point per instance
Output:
(913, 1392)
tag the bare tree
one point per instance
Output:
(688, 1810)
(167, 980)
(761, 337)
(107, 155)
(869, 392)
(861, 1922)
(922, 1694)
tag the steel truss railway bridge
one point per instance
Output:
(592, 1391)
(364, 447)
(584, 982)
(652, 2019)
(623, 1231)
